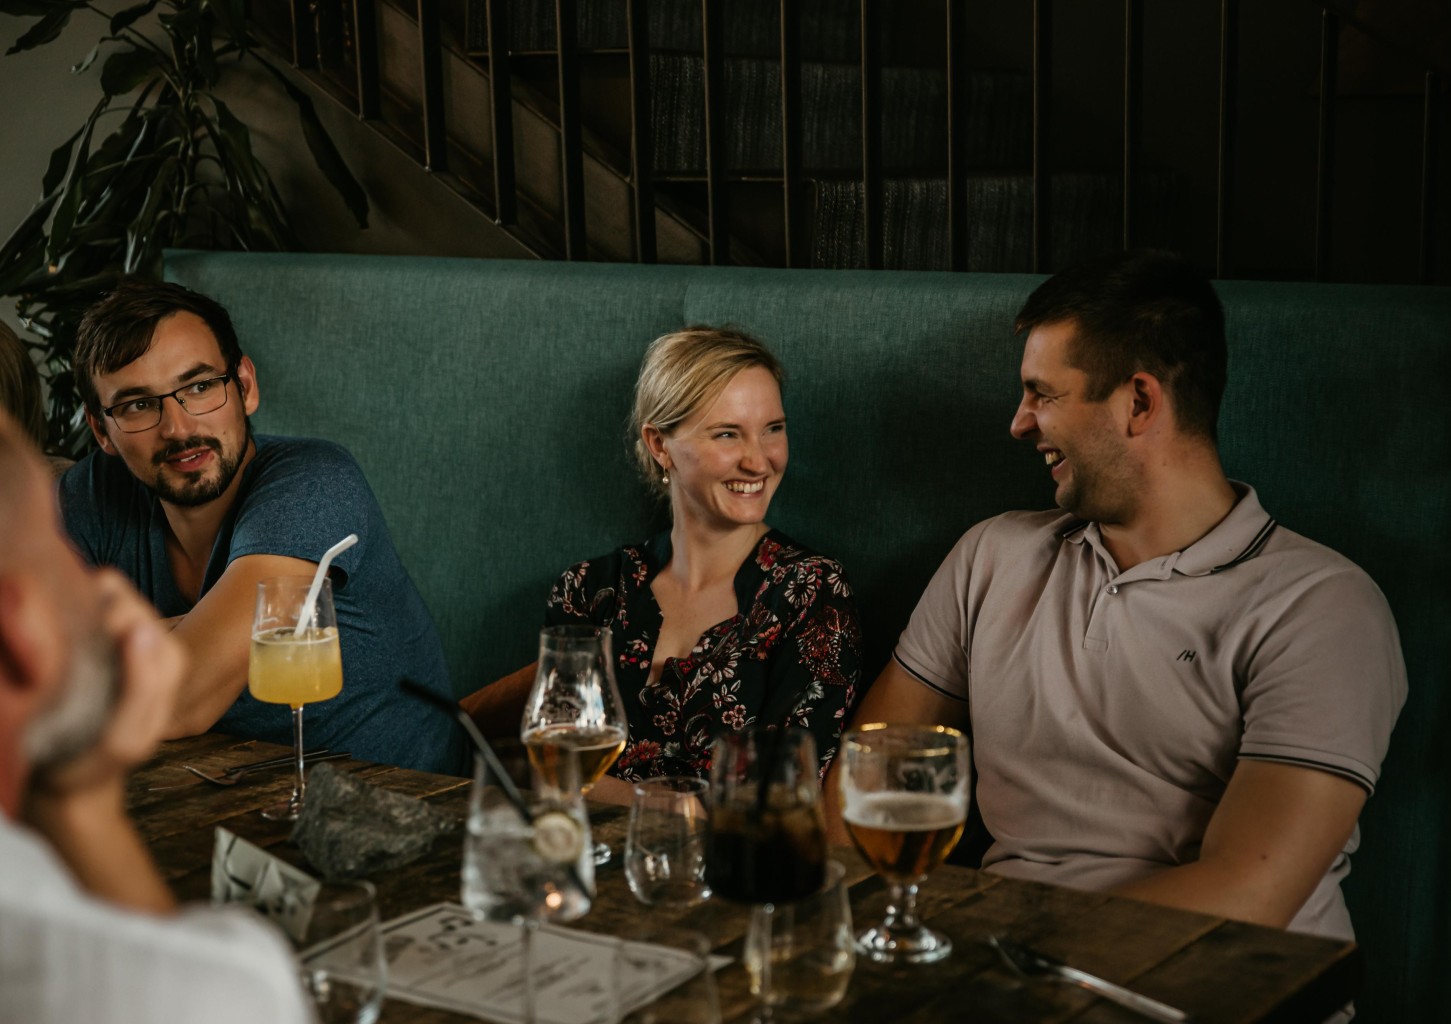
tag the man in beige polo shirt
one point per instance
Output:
(1169, 695)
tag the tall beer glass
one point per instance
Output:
(291, 666)
(904, 791)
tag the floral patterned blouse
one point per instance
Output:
(791, 656)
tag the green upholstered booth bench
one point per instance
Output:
(487, 402)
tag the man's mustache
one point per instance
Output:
(187, 444)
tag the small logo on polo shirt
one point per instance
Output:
(1186, 656)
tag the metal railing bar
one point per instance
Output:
(712, 39)
(792, 204)
(957, 131)
(1325, 139)
(365, 39)
(642, 142)
(501, 113)
(430, 47)
(571, 143)
(1224, 180)
(1133, 107)
(1428, 175)
(1042, 86)
(872, 188)
(304, 35)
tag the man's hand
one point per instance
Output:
(80, 807)
(1273, 836)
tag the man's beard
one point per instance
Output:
(74, 723)
(193, 492)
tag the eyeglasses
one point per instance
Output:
(198, 398)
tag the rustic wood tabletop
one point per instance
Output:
(1217, 970)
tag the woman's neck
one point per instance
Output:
(701, 558)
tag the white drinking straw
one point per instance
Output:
(307, 606)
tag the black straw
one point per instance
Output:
(511, 791)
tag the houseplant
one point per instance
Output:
(161, 161)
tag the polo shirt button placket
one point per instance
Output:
(1113, 588)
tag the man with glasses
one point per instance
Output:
(196, 511)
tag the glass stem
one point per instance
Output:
(298, 783)
(902, 908)
(526, 958)
(763, 1009)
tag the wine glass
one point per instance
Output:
(341, 954)
(291, 665)
(575, 705)
(528, 872)
(904, 794)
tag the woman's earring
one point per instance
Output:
(664, 478)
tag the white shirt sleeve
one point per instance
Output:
(67, 957)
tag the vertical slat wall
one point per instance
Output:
(712, 39)
(365, 34)
(501, 112)
(430, 56)
(793, 211)
(1042, 170)
(642, 140)
(1224, 178)
(872, 188)
(1325, 139)
(957, 132)
(1133, 106)
(307, 38)
(1428, 175)
(571, 148)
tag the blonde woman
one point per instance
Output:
(719, 622)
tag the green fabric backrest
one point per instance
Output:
(487, 402)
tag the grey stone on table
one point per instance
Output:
(349, 828)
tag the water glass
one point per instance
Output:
(513, 871)
(665, 844)
(800, 955)
(341, 954)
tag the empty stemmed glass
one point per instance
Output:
(904, 795)
(575, 706)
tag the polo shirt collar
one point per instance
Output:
(1238, 536)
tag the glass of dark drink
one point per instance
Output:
(768, 832)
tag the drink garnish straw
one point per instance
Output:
(506, 784)
(305, 619)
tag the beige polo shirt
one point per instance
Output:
(1108, 709)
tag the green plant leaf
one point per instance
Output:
(34, 8)
(131, 15)
(231, 14)
(206, 58)
(60, 159)
(126, 69)
(141, 232)
(324, 152)
(71, 192)
(46, 30)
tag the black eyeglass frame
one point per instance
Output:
(225, 378)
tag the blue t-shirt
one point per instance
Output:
(297, 497)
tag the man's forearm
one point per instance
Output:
(92, 835)
(1219, 891)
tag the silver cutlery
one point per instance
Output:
(1031, 964)
(237, 773)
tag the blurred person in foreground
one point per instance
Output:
(721, 621)
(196, 510)
(88, 929)
(1170, 696)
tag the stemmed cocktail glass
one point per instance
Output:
(294, 663)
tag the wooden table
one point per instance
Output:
(1219, 971)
